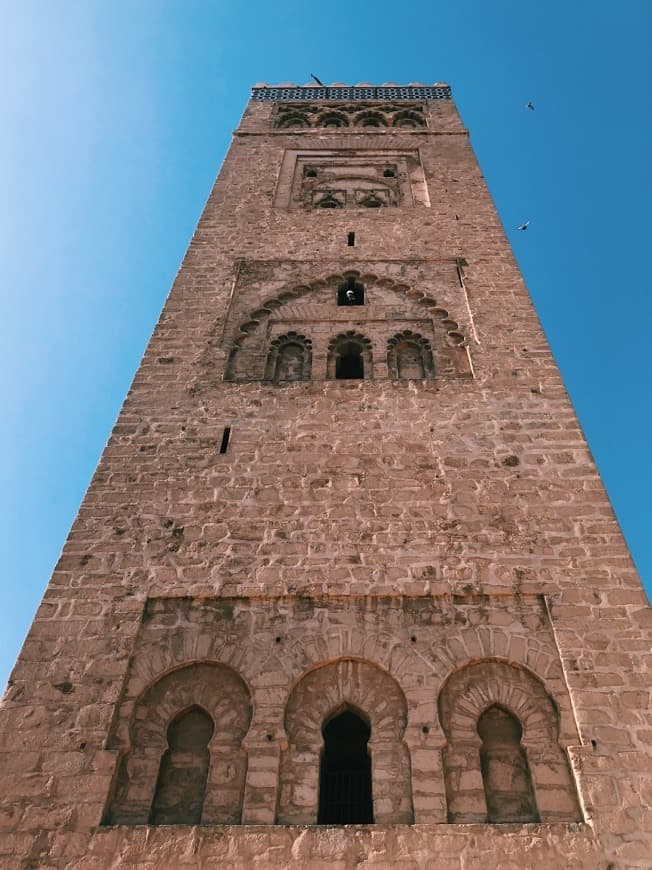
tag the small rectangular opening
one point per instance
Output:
(351, 240)
(225, 439)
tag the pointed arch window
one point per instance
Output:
(181, 784)
(346, 761)
(183, 761)
(350, 365)
(345, 796)
(329, 199)
(503, 760)
(372, 200)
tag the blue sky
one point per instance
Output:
(116, 115)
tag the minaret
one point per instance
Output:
(346, 588)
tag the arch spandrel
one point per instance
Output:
(324, 689)
(152, 696)
(473, 688)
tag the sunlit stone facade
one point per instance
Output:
(346, 589)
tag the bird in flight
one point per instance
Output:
(523, 226)
(530, 106)
(321, 84)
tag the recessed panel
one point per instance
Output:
(313, 180)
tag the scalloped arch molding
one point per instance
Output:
(453, 332)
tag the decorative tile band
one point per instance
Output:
(434, 92)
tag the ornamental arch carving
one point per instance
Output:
(289, 358)
(358, 114)
(320, 695)
(349, 357)
(392, 308)
(370, 118)
(489, 777)
(333, 118)
(184, 763)
(409, 356)
(293, 119)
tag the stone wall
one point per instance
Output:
(345, 518)
(392, 659)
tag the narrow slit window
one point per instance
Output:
(225, 439)
(350, 240)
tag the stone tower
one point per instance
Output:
(346, 588)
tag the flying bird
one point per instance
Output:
(523, 226)
(529, 106)
(321, 84)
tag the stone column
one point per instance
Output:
(464, 786)
(428, 785)
(261, 786)
(390, 773)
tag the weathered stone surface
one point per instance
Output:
(419, 546)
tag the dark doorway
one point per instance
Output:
(345, 775)
(349, 364)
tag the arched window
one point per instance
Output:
(345, 772)
(350, 293)
(409, 357)
(503, 747)
(328, 200)
(410, 361)
(408, 118)
(293, 120)
(349, 357)
(184, 762)
(181, 784)
(289, 358)
(289, 364)
(505, 770)
(345, 761)
(372, 200)
(333, 119)
(370, 119)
